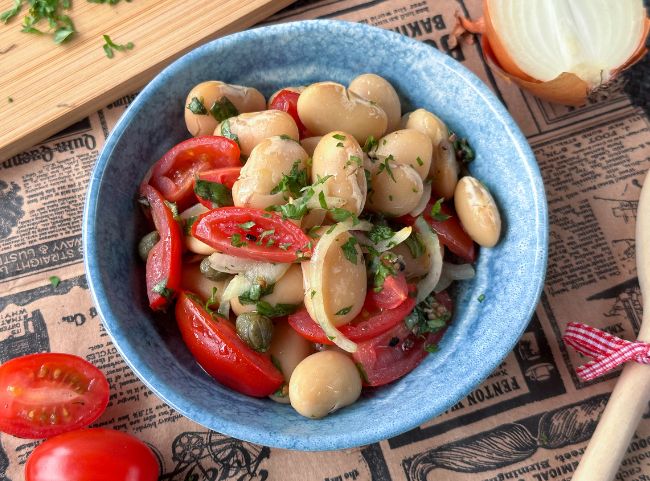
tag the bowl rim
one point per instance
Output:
(242, 430)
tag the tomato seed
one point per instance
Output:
(56, 374)
(42, 372)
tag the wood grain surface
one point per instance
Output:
(53, 86)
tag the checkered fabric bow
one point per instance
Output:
(607, 351)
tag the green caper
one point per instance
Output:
(208, 271)
(255, 330)
(146, 244)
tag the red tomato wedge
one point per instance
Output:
(225, 177)
(371, 322)
(393, 293)
(173, 174)
(392, 354)
(252, 234)
(92, 455)
(42, 395)
(219, 350)
(287, 101)
(451, 232)
(164, 261)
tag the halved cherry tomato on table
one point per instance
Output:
(252, 234)
(164, 260)
(450, 231)
(173, 175)
(92, 455)
(371, 322)
(218, 349)
(287, 101)
(42, 395)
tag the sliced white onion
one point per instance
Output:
(317, 264)
(431, 242)
(385, 244)
(237, 286)
(253, 270)
(453, 272)
(331, 202)
(424, 200)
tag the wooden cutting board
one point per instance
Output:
(53, 86)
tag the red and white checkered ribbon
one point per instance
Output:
(607, 351)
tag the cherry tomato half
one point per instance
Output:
(287, 101)
(92, 455)
(42, 395)
(451, 232)
(164, 260)
(371, 322)
(253, 234)
(215, 345)
(173, 174)
(394, 291)
(226, 176)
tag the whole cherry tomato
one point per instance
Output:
(219, 350)
(92, 455)
(287, 101)
(42, 395)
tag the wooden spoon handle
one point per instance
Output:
(608, 445)
(630, 396)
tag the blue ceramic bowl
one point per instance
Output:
(510, 276)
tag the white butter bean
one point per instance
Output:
(477, 211)
(408, 147)
(427, 123)
(378, 90)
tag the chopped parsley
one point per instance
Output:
(287, 137)
(247, 225)
(264, 235)
(339, 137)
(344, 311)
(162, 289)
(173, 208)
(217, 194)
(236, 241)
(349, 249)
(356, 160)
(225, 131)
(223, 109)
(212, 301)
(285, 246)
(312, 232)
(109, 46)
(55, 281)
(370, 144)
(277, 310)
(322, 201)
(436, 211)
(313, 293)
(415, 245)
(381, 266)
(196, 106)
(255, 293)
(380, 233)
(293, 182)
(431, 348)
(188, 223)
(428, 316)
(464, 153)
(420, 161)
(384, 165)
(481, 298)
(340, 215)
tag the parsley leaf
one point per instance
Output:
(212, 301)
(420, 161)
(236, 241)
(344, 311)
(223, 109)
(431, 348)
(217, 194)
(464, 152)
(12, 12)
(380, 233)
(247, 225)
(322, 201)
(381, 266)
(339, 136)
(173, 208)
(55, 281)
(109, 46)
(277, 310)
(436, 211)
(384, 165)
(225, 131)
(481, 298)
(370, 144)
(340, 215)
(187, 225)
(350, 250)
(293, 182)
(264, 235)
(428, 316)
(196, 106)
(256, 292)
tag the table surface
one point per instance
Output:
(530, 420)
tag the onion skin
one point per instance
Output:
(566, 89)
